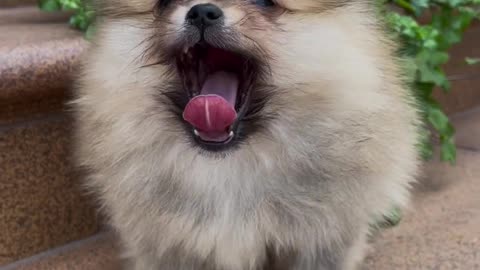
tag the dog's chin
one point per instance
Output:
(219, 94)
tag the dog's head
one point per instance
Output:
(229, 70)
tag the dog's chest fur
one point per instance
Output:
(235, 213)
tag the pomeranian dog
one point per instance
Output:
(244, 134)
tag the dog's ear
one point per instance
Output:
(312, 5)
(120, 8)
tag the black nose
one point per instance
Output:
(204, 15)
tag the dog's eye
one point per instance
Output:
(264, 3)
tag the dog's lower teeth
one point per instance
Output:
(230, 135)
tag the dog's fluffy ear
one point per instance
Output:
(308, 5)
(123, 7)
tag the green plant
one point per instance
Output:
(82, 17)
(426, 47)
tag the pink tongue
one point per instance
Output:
(213, 111)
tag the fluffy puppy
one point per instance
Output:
(244, 134)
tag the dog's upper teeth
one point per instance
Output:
(230, 135)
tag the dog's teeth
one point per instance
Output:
(196, 133)
(231, 134)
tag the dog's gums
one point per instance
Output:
(218, 83)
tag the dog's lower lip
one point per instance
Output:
(231, 135)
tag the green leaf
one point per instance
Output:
(391, 219)
(439, 120)
(71, 5)
(49, 5)
(424, 91)
(394, 217)
(472, 61)
(449, 151)
(433, 75)
(426, 150)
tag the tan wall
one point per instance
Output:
(42, 205)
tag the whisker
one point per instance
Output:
(154, 42)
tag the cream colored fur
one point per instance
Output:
(340, 152)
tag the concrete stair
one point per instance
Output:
(98, 252)
(46, 221)
(41, 206)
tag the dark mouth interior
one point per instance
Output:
(197, 63)
(226, 74)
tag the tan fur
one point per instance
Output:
(340, 151)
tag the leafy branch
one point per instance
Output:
(426, 46)
(82, 17)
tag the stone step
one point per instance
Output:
(41, 205)
(94, 253)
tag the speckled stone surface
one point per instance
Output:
(35, 109)
(39, 54)
(41, 204)
(95, 253)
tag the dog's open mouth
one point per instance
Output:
(218, 83)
